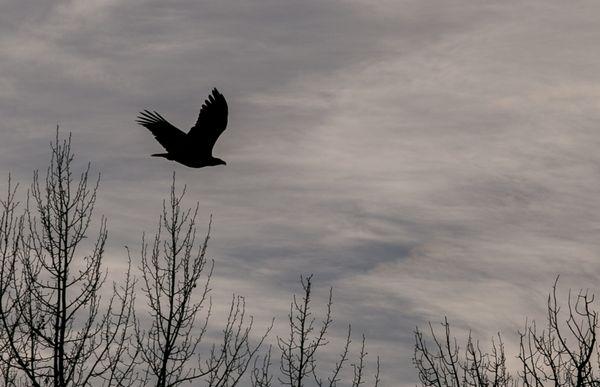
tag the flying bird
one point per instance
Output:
(193, 149)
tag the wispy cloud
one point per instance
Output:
(424, 159)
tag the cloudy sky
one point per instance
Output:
(424, 158)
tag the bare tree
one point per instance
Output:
(173, 268)
(55, 328)
(11, 229)
(298, 352)
(565, 352)
(443, 364)
(261, 377)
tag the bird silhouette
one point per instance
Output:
(193, 149)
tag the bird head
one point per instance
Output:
(219, 161)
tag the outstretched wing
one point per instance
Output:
(171, 138)
(211, 122)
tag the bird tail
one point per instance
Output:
(160, 155)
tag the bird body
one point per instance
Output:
(192, 149)
(192, 162)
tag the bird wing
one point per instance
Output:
(211, 122)
(166, 134)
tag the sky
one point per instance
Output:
(423, 158)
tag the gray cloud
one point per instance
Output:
(424, 159)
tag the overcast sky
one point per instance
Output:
(424, 158)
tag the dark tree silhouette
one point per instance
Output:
(176, 295)
(260, 376)
(55, 329)
(563, 353)
(443, 364)
(299, 361)
(193, 149)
